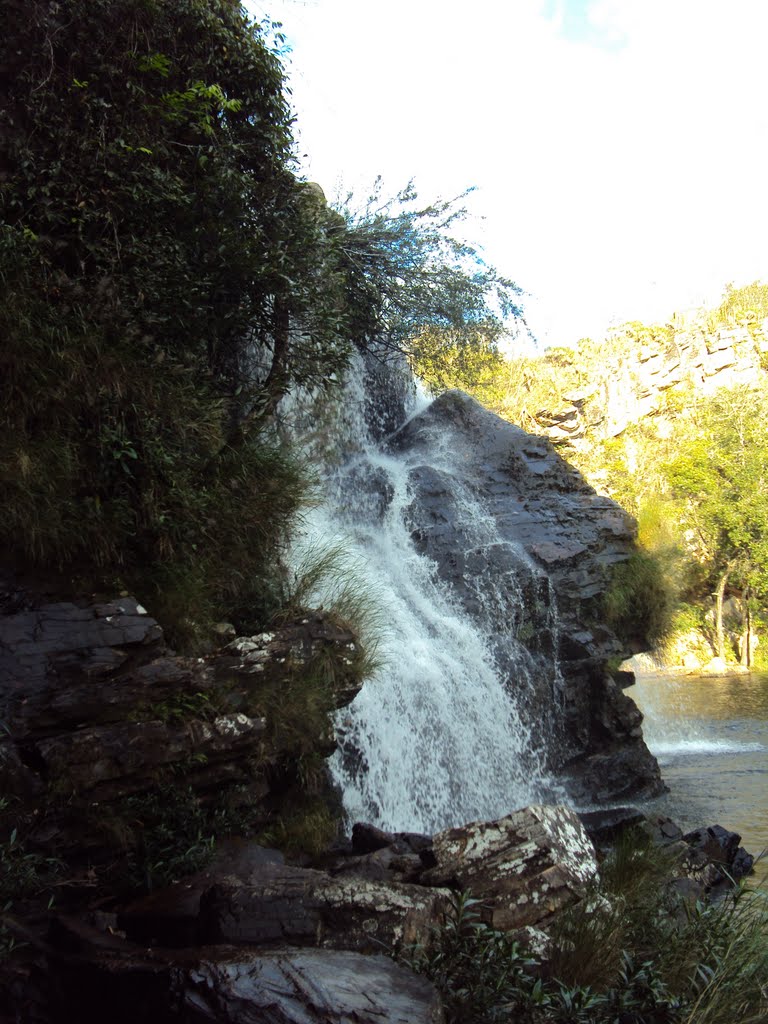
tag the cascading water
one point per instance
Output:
(436, 737)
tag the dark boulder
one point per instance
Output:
(304, 986)
(715, 858)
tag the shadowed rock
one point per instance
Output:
(554, 540)
(279, 903)
(309, 986)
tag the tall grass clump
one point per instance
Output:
(327, 576)
(299, 702)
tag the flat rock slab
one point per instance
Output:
(122, 983)
(307, 986)
(524, 867)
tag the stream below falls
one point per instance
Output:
(710, 735)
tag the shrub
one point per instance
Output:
(631, 951)
(639, 601)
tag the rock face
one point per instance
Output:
(95, 707)
(224, 985)
(253, 939)
(524, 867)
(309, 986)
(554, 540)
(281, 903)
(629, 379)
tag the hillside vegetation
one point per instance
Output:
(166, 279)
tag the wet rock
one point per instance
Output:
(663, 831)
(524, 867)
(367, 838)
(94, 981)
(715, 857)
(623, 678)
(381, 856)
(309, 986)
(554, 541)
(389, 864)
(603, 826)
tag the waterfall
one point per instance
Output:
(439, 735)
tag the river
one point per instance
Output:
(710, 736)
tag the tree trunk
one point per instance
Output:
(719, 593)
(276, 384)
(746, 638)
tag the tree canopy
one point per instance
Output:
(166, 279)
(410, 274)
(719, 475)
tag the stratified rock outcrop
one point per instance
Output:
(553, 543)
(524, 867)
(630, 378)
(95, 708)
(254, 939)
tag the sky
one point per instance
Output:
(617, 147)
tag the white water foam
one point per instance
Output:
(687, 747)
(434, 738)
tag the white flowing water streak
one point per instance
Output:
(434, 738)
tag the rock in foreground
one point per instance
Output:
(524, 867)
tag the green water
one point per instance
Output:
(710, 736)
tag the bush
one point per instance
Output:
(154, 245)
(639, 601)
(631, 951)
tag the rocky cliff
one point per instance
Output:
(632, 374)
(549, 553)
(104, 726)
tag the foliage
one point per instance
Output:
(719, 474)
(162, 835)
(152, 243)
(324, 576)
(478, 971)
(745, 304)
(165, 281)
(412, 282)
(25, 873)
(639, 600)
(477, 368)
(631, 951)
(307, 827)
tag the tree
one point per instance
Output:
(475, 365)
(155, 251)
(165, 279)
(412, 283)
(720, 478)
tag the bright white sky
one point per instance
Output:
(618, 146)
